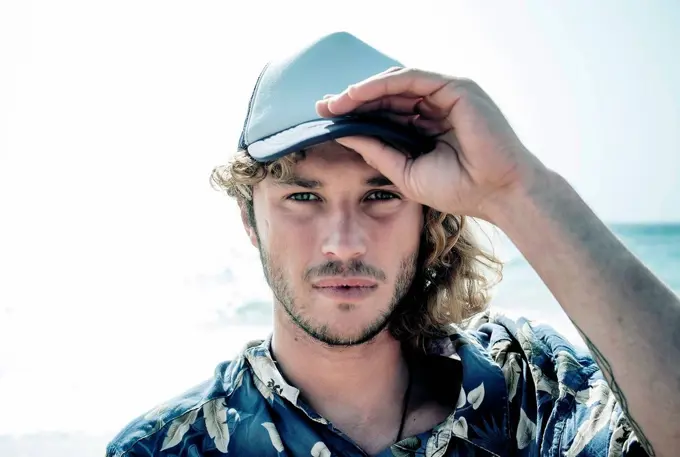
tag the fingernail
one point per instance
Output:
(327, 96)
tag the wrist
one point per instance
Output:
(517, 201)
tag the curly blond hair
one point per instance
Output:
(452, 280)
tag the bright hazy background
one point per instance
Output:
(121, 269)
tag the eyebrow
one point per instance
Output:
(297, 181)
(379, 181)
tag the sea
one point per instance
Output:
(71, 400)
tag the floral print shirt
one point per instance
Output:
(525, 392)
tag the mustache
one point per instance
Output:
(352, 268)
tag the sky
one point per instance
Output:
(113, 114)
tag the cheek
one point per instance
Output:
(289, 240)
(399, 232)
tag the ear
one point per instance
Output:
(250, 230)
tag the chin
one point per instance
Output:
(346, 332)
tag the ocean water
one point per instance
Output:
(70, 393)
(522, 292)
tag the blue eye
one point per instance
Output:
(303, 197)
(381, 195)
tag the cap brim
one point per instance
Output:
(319, 131)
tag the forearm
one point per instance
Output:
(628, 317)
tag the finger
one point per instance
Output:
(427, 109)
(425, 126)
(393, 103)
(406, 120)
(322, 108)
(322, 105)
(398, 104)
(431, 127)
(404, 82)
(387, 160)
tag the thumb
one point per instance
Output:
(393, 164)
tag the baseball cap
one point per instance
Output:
(282, 117)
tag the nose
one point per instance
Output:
(345, 238)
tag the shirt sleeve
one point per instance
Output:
(559, 402)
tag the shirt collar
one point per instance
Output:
(481, 402)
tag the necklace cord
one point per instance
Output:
(407, 396)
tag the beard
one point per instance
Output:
(283, 292)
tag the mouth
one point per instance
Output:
(346, 288)
(346, 283)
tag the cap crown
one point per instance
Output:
(287, 89)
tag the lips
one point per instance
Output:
(345, 283)
(346, 289)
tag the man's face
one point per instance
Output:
(338, 245)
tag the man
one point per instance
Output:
(357, 202)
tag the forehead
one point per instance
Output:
(331, 155)
(327, 165)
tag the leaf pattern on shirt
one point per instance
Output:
(462, 399)
(544, 398)
(270, 378)
(460, 427)
(215, 414)
(566, 364)
(526, 430)
(476, 396)
(265, 391)
(527, 340)
(511, 364)
(320, 450)
(544, 383)
(593, 394)
(274, 436)
(499, 351)
(600, 416)
(438, 442)
(178, 428)
(489, 432)
(239, 378)
(623, 435)
(406, 448)
(512, 371)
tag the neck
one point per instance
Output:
(353, 387)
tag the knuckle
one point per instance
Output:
(460, 86)
(393, 69)
(413, 71)
(467, 84)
